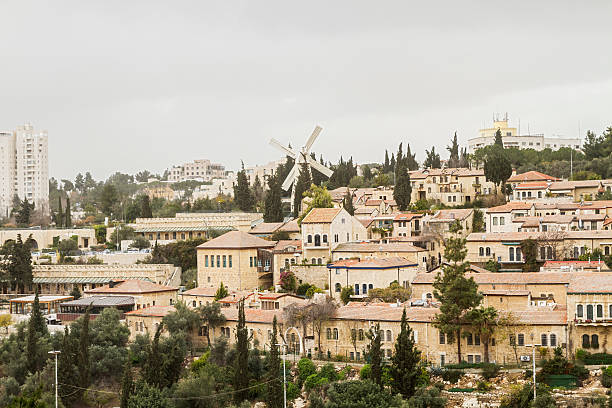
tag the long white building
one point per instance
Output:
(24, 168)
(201, 170)
(511, 138)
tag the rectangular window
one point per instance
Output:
(442, 338)
(521, 339)
(218, 261)
(468, 338)
(494, 220)
(470, 359)
(251, 261)
(544, 340)
(477, 358)
(502, 220)
(477, 340)
(230, 260)
(206, 261)
(224, 261)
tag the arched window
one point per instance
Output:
(317, 240)
(580, 310)
(607, 250)
(544, 339)
(389, 335)
(599, 310)
(481, 251)
(320, 261)
(361, 335)
(335, 334)
(594, 341)
(314, 261)
(586, 342)
(553, 340)
(329, 333)
(610, 311)
(429, 296)
(549, 252)
(338, 287)
(511, 254)
(310, 239)
(325, 238)
(488, 251)
(518, 254)
(589, 313)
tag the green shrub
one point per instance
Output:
(606, 380)
(305, 369)
(483, 386)
(329, 371)
(311, 382)
(365, 372)
(490, 370)
(293, 391)
(344, 373)
(582, 354)
(452, 376)
(580, 372)
(427, 397)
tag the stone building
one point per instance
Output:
(449, 186)
(145, 293)
(234, 259)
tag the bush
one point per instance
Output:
(313, 382)
(580, 372)
(344, 373)
(483, 386)
(452, 376)
(490, 370)
(427, 397)
(305, 369)
(301, 290)
(293, 391)
(365, 372)
(582, 354)
(329, 371)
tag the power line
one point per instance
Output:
(178, 398)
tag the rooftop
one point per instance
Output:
(152, 311)
(531, 176)
(236, 240)
(321, 215)
(381, 263)
(132, 287)
(101, 301)
(375, 247)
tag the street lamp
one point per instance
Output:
(533, 347)
(55, 353)
(284, 377)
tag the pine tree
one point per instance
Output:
(257, 192)
(221, 292)
(274, 388)
(273, 209)
(403, 187)
(392, 162)
(242, 192)
(79, 182)
(60, 213)
(456, 294)
(145, 207)
(374, 354)
(68, 217)
(405, 361)
(83, 357)
(302, 185)
(241, 369)
(497, 168)
(24, 214)
(347, 203)
(127, 383)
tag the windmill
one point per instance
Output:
(301, 157)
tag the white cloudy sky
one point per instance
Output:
(128, 85)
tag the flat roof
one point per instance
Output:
(41, 299)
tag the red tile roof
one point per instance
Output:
(321, 215)
(152, 311)
(531, 176)
(201, 291)
(253, 315)
(533, 185)
(285, 244)
(374, 247)
(406, 216)
(508, 207)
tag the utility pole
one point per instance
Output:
(55, 353)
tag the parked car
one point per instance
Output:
(52, 319)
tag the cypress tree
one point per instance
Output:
(67, 368)
(274, 388)
(127, 383)
(242, 192)
(375, 354)
(273, 209)
(241, 369)
(392, 162)
(498, 139)
(386, 164)
(411, 162)
(405, 360)
(145, 211)
(302, 185)
(153, 364)
(36, 329)
(83, 357)
(403, 188)
(60, 213)
(68, 218)
(453, 149)
(347, 203)
(221, 292)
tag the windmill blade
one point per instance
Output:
(290, 178)
(285, 149)
(312, 138)
(318, 166)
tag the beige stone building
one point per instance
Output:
(145, 293)
(451, 186)
(324, 228)
(234, 259)
(46, 238)
(374, 250)
(367, 274)
(192, 225)
(199, 296)
(407, 224)
(145, 321)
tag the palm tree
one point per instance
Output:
(212, 317)
(484, 321)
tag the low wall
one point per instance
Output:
(316, 275)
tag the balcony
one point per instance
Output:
(316, 245)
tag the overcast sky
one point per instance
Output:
(130, 85)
